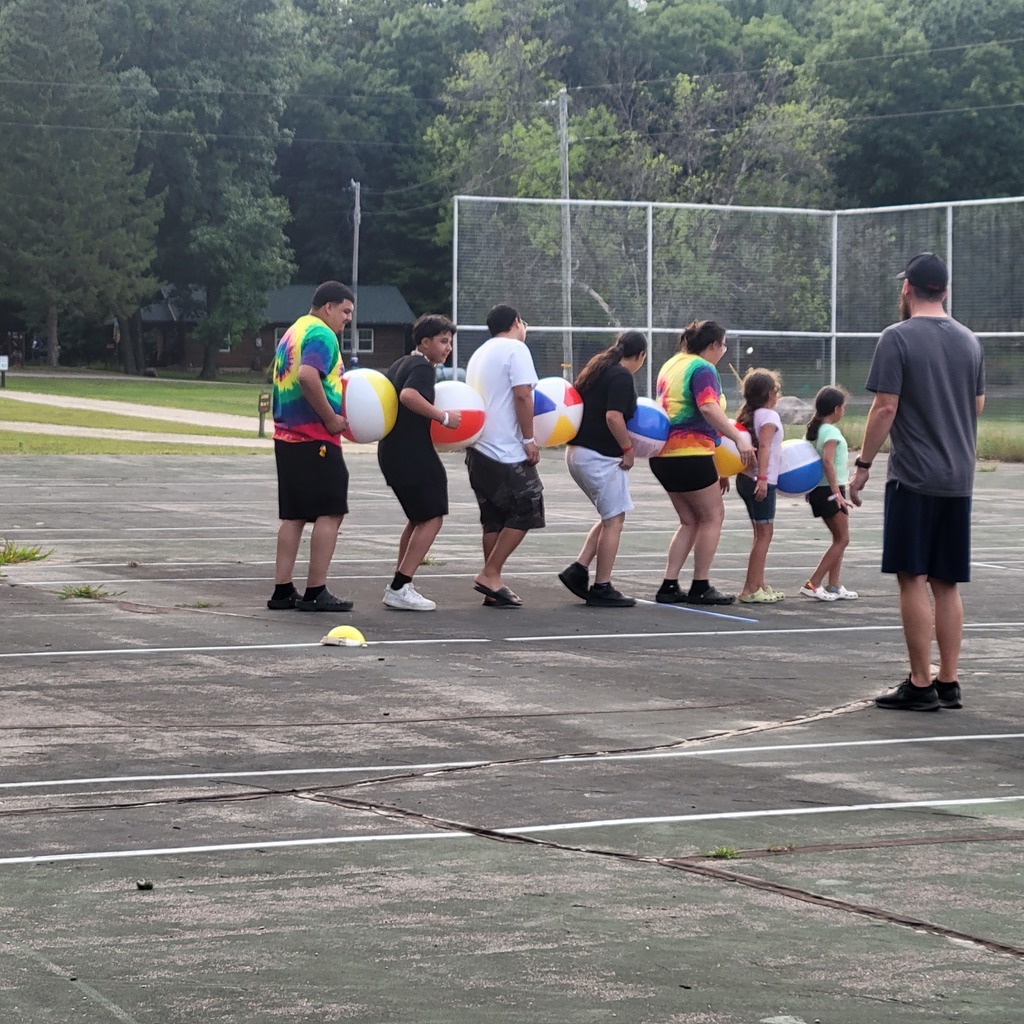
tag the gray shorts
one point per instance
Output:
(601, 478)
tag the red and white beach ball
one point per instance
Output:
(457, 396)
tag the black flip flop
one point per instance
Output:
(502, 598)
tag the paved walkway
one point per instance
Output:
(217, 420)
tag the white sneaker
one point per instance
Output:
(819, 592)
(842, 594)
(408, 599)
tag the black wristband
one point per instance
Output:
(861, 464)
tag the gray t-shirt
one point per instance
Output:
(937, 368)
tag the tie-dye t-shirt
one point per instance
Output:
(685, 383)
(308, 342)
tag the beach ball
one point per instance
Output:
(369, 403)
(557, 412)
(648, 428)
(457, 396)
(727, 455)
(801, 467)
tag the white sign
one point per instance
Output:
(3, 363)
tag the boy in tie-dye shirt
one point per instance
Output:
(308, 342)
(312, 478)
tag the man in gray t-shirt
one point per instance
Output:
(928, 377)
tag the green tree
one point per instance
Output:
(220, 77)
(77, 228)
(367, 92)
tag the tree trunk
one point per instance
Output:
(52, 345)
(209, 370)
(125, 348)
(135, 337)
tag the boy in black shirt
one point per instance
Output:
(408, 460)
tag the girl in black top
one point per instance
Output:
(599, 459)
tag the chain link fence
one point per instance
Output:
(805, 292)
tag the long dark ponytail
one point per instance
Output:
(627, 345)
(826, 401)
(758, 386)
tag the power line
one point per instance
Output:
(395, 94)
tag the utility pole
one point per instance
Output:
(357, 216)
(563, 153)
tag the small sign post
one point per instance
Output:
(264, 408)
(3, 371)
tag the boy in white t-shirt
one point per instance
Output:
(757, 485)
(503, 463)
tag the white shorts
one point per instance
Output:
(601, 479)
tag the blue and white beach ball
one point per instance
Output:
(801, 467)
(648, 429)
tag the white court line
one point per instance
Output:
(682, 606)
(520, 830)
(541, 638)
(572, 759)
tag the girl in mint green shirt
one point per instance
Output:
(828, 498)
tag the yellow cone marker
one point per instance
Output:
(344, 636)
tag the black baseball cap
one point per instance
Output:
(927, 271)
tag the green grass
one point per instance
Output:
(723, 853)
(237, 398)
(11, 553)
(12, 443)
(30, 412)
(86, 590)
(1000, 435)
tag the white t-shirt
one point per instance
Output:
(761, 417)
(494, 369)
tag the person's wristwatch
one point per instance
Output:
(861, 464)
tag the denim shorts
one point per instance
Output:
(762, 511)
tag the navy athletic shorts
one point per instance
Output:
(926, 535)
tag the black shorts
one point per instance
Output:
(509, 494)
(926, 535)
(820, 500)
(681, 473)
(423, 501)
(312, 480)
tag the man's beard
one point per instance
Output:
(904, 307)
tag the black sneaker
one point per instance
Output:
(949, 695)
(671, 595)
(325, 601)
(710, 596)
(576, 579)
(908, 697)
(608, 597)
